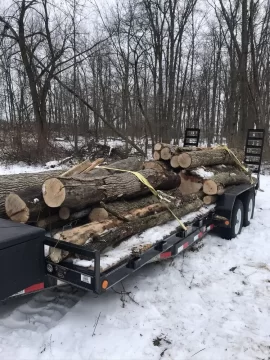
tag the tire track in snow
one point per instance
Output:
(39, 312)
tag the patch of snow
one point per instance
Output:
(36, 200)
(20, 168)
(202, 305)
(202, 173)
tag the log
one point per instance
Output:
(158, 147)
(190, 184)
(218, 182)
(98, 214)
(83, 234)
(49, 221)
(64, 213)
(174, 162)
(156, 165)
(20, 198)
(77, 169)
(165, 153)
(208, 157)
(209, 199)
(116, 235)
(55, 222)
(122, 207)
(93, 165)
(78, 194)
(174, 149)
(131, 163)
(156, 155)
(88, 232)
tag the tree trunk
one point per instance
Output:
(216, 184)
(213, 156)
(75, 193)
(156, 165)
(24, 207)
(125, 230)
(28, 190)
(94, 232)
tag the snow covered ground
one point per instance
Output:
(213, 303)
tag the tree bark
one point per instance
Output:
(27, 187)
(125, 230)
(216, 184)
(156, 165)
(75, 193)
(94, 232)
(85, 233)
(214, 156)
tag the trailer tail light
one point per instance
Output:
(227, 223)
(30, 289)
(104, 284)
(165, 255)
(33, 288)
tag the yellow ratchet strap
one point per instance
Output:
(150, 187)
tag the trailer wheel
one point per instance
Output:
(236, 222)
(249, 204)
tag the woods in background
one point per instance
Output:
(144, 68)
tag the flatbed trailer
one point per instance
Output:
(25, 269)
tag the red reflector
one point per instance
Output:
(35, 287)
(212, 226)
(165, 255)
(185, 245)
(200, 234)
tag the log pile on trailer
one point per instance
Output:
(102, 205)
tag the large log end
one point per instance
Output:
(64, 213)
(53, 192)
(98, 214)
(158, 147)
(16, 208)
(209, 199)
(174, 162)
(184, 160)
(156, 155)
(210, 187)
(165, 153)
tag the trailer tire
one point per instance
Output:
(249, 205)
(236, 222)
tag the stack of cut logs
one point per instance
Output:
(101, 205)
